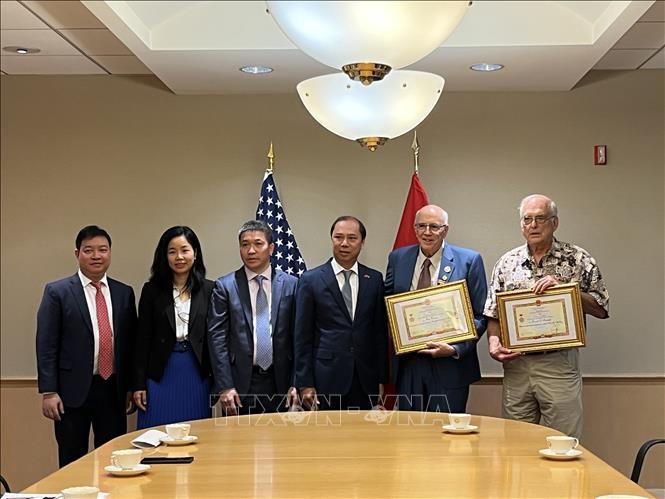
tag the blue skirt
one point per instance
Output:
(181, 395)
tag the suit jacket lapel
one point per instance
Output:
(79, 296)
(330, 280)
(245, 302)
(447, 266)
(195, 308)
(165, 300)
(404, 275)
(276, 292)
(364, 281)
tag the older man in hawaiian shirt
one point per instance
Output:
(543, 387)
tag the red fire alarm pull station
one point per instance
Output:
(599, 155)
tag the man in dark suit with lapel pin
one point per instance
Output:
(341, 335)
(250, 326)
(437, 378)
(85, 335)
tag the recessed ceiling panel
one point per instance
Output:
(64, 14)
(14, 16)
(122, 64)
(649, 35)
(96, 41)
(50, 64)
(656, 62)
(656, 12)
(624, 59)
(47, 41)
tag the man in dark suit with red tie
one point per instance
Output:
(341, 336)
(85, 333)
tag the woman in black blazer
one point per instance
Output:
(172, 376)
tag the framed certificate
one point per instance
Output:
(440, 313)
(549, 321)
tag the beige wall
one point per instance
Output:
(619, 417)
(129, 155)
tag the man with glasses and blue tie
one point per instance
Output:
(543, 387)
(437, 378)
(250, 329)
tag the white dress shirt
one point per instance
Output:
(181, 315)
(338, 270)
(253, 291)
(90, 294)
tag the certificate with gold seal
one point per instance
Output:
(441, 313)
(549, 321)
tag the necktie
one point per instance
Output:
(346, 292)
(105, 357)
(425, 280)
(263, 342)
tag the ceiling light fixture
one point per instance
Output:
(486, 66)
(366, 39)
(256, 70)
(371, 114)
(20, 50)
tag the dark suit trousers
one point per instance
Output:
(420, 389)
(102, 410)
(355, 398)
(263, 396)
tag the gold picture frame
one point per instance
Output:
(553, 320)
(440, 313)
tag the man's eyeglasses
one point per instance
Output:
(432, 227)
(539, 220)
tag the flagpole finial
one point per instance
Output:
(271, 158)
(416, 148)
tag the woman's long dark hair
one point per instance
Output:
(160, 272)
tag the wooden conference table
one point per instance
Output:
(357, 454)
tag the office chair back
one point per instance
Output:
(641, 454)
(5, 485)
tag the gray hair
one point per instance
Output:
(444, 213)
(551, 205)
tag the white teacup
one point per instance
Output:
(86, 492)
(458, 420)
(178, 431)
(126, 459)
(561, 444)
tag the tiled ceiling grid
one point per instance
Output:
(70, 38)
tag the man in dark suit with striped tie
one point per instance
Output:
(341, 335)
(85, 335)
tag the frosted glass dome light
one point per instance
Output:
(366, 39)
(375, 113)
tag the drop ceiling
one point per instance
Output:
(196, 47)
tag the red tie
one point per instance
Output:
(105, 359)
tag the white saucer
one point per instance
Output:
(571, 454)
(451, 429)
(136, 470)
(189, 439)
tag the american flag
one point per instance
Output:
(286, 256)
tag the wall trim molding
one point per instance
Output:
(594, 379)
(496, 379)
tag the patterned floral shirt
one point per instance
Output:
(566, 262)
